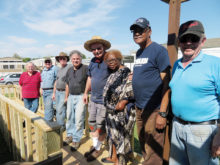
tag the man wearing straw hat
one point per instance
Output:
(97, 77)
(59, 89)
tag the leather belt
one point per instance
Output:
(60, 89)
(47, 88)
(210, 122)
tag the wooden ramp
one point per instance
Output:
(77, 158)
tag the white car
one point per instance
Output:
(10, 79)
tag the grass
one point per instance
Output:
(137, 147)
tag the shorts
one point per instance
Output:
(97, 114)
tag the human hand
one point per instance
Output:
(85, 98)
(53, 96)
(216, 145)
(121, 105)
(160, 122)
(130, 76)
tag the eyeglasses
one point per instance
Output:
(111, 60)
(47, 61)
(189, 38)
(94, 49)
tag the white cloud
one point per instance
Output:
(21, 40)
(64, 17)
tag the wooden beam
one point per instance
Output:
(173, 27)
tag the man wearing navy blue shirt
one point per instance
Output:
(97, 77)
(195, 99)
(150, 82)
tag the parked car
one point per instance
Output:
(10, 79)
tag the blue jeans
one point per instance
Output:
(31, 104)
(48, 105)
(191, 144)
(75, 117)
(60, 108)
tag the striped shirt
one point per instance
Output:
(30, 84)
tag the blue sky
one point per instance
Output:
(39, 28)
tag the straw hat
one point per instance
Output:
(62, 54)
(96, 39)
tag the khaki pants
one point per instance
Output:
(151, 140)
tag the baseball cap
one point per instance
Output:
(141, 22)
(47, 59)
(191, 27)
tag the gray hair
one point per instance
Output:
(31, 64)
(75, 52)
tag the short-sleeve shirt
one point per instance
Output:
(146, 82)
(195, 89)
(98, 71)
(76, 79)
(61, 74)
(30, 84)
(48, 77)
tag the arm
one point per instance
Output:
(66, 93)
(54, 90)
(87, 89)
(165, 76)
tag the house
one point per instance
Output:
(11, 65)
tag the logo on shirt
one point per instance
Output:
(141, 61)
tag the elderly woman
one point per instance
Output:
(120, 114)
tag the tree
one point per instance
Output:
(83, 56)
(16, 56)
(26, 59)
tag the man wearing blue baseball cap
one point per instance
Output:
(150, 82)
(195, 99)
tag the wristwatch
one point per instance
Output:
(163, 114)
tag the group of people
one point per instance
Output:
(120, 97)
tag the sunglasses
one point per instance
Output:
(94, 49)
(62, 58)
(47, 61)
(139, 30)
(189, 38)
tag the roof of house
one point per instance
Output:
(10, 59)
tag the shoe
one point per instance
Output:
(95, 154)
(89, 152)
(67, 140)
(74, 146)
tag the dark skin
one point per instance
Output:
(114, 64)
(142, 37)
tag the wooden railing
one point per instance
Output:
(28, 136)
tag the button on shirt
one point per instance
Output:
(195, 89)
(48, 77)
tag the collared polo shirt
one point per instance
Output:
(196, 89)
(48, 77)
(30, 84)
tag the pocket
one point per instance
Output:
(201, 133)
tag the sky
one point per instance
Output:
(40, 28)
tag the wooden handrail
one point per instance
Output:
(38, 140)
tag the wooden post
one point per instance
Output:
(172, 47)
(174, 21)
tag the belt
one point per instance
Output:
(212, 122)
(60, 89)
(47, 88)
